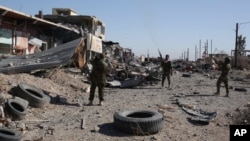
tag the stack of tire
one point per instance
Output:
(35, 97)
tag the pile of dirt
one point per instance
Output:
(56, 82)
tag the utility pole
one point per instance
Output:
(211, 49)
(195, 53)
(148, 56)
(184, 56)
(236, 44)
(200, 50)
(207, 49)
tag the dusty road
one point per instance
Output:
(63, 118)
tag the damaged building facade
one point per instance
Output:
(22, 33)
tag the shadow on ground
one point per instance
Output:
(109, 130)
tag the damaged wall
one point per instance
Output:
(16, 28)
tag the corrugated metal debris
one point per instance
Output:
(53, 57)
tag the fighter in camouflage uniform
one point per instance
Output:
(225, 68)
(98, 78)
(167, 70)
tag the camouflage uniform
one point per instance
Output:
(225, 68)
(98, 78)
(167, 71)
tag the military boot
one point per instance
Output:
(227, 94)
(90, 103)
(218, 91)
(100, 103)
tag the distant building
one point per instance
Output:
(83, 23)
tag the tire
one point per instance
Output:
(240, 89)
(122, 75)
(9, 135)
(32, 94)
(186, 75)
(16, 109)
(139, 122)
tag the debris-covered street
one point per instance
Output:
(67, 117)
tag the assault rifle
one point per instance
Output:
(160, 54)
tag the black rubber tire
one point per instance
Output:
(16, 109)
(186, 75)
(122, 75)
(241, 89)
(35, 96)
(139, 122)
(9, 135)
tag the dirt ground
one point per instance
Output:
(62, 119)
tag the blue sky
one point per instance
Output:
(172, 26)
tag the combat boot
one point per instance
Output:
(90, 103)
(100, 103)
(217, 93)
(227, 94)
(170, 87)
